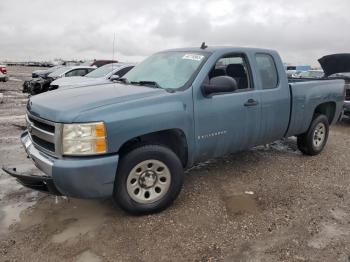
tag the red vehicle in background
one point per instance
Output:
(3, 73)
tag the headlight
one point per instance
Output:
(84, 139)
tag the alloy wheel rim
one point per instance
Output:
(148, 181)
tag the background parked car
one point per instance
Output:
(101, 75)
(337, 66)
(346, 77)
(40, 85)
(45, 72)
(3, 73)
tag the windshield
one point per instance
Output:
(102, 71)
(172, 69)
(59, 71)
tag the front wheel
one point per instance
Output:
(148, 180)
(314, 140)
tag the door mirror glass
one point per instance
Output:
(220, 84)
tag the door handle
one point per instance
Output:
(251, 102)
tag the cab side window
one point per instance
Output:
(234, 66)
(267, 71)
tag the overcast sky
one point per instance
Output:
(302, 31)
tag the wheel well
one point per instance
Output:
(175, 139)
(327, 109)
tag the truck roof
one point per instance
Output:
(212, 49)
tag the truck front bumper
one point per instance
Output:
(81, 177)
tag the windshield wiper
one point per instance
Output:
(147, 83)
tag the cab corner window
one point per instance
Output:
(267, 71)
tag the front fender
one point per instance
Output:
(125, 121)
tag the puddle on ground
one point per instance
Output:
(14, 199)
(339, 215)
(67, 219)
(88, 256)
(15, 79)
(83, 216)
(10, 214)
(329, 233)
(240, 204)
(11, 119)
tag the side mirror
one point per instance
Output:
(220, 84)
(114, 77)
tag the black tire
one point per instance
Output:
(306, 141)
(129, 161)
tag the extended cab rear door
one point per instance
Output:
(274, 93)
(227, 122)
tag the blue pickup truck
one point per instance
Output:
(131, 140)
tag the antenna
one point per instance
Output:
(203, 46)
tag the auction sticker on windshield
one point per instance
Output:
(193, 57)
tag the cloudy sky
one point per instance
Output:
(301, 31)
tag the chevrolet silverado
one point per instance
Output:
(131, 140)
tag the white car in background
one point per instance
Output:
(3, 73)
(101, 75)
(70, 71)
(42, 84)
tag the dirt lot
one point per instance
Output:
(268, 204)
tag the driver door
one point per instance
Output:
(227, 122)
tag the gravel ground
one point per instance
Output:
(268, 204)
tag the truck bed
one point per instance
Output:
(306, 95)
(347, 83)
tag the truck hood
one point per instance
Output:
(65, 105)
(336, 63)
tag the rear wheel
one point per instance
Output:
(315, 139)
(148, 180)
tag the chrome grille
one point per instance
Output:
(44, 126)
(44, 134)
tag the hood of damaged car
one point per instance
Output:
(336, 63)
(65, 105)
(79, 81)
